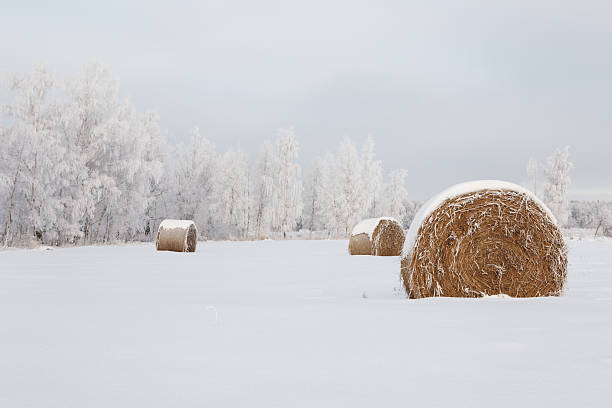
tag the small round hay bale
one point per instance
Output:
(376, 236)
(177, 235)
(360, 244)
(387, 238)
(484, 238)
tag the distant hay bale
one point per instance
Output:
(484, 238)
(377, 236)
(177, 235)
(387, 238)
(360, 244)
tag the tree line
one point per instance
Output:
(80, 165)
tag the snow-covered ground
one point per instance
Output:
(295, 323)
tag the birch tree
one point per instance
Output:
(288, 205)
(194, 182)
(372, 177)
(25, 145)
(314, 196)
(234, 205)
(396, 195)
(555, 193)
(345, 200)
(265, 194)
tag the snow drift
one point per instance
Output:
(484, 238)
(176, 235)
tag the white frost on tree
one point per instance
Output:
(344, 188)
(79, 165)
(603, 215)
(23, 152)
(265, 190)
(287, 202)
(233, 192)
(555, 193)
(396, 195)
(193, 184)
(372, 177)
(344, 203)
(314, 196)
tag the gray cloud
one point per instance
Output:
(450, 91)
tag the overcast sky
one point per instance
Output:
(449, 90)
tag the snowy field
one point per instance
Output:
(285, 324)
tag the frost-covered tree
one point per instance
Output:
(596, 215)
(396, 195)
(120, 152)
(142, 173)
(155, 159)
(345, 199)
(193, 185)
(557, 174)
(372, 176)
(324, 189)
(287, 203)
(410, 209)
(98, 124)
(233, 194)
(603, 216)
(344, 188)
(79, 165)
(31, 149)
(266, 174)
(583, 214)
(12, 180)
(314, 196)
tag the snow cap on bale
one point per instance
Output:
(377, 236)
(484, 238)
(177, 235)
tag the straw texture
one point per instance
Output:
(486, 242)
(388, 238)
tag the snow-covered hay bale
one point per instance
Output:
(376, 236)
(484, 238)
(387, 238)
(360, 244)
(177, 235)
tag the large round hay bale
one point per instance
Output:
(377, 236)
(484, 238)
(177, 235)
